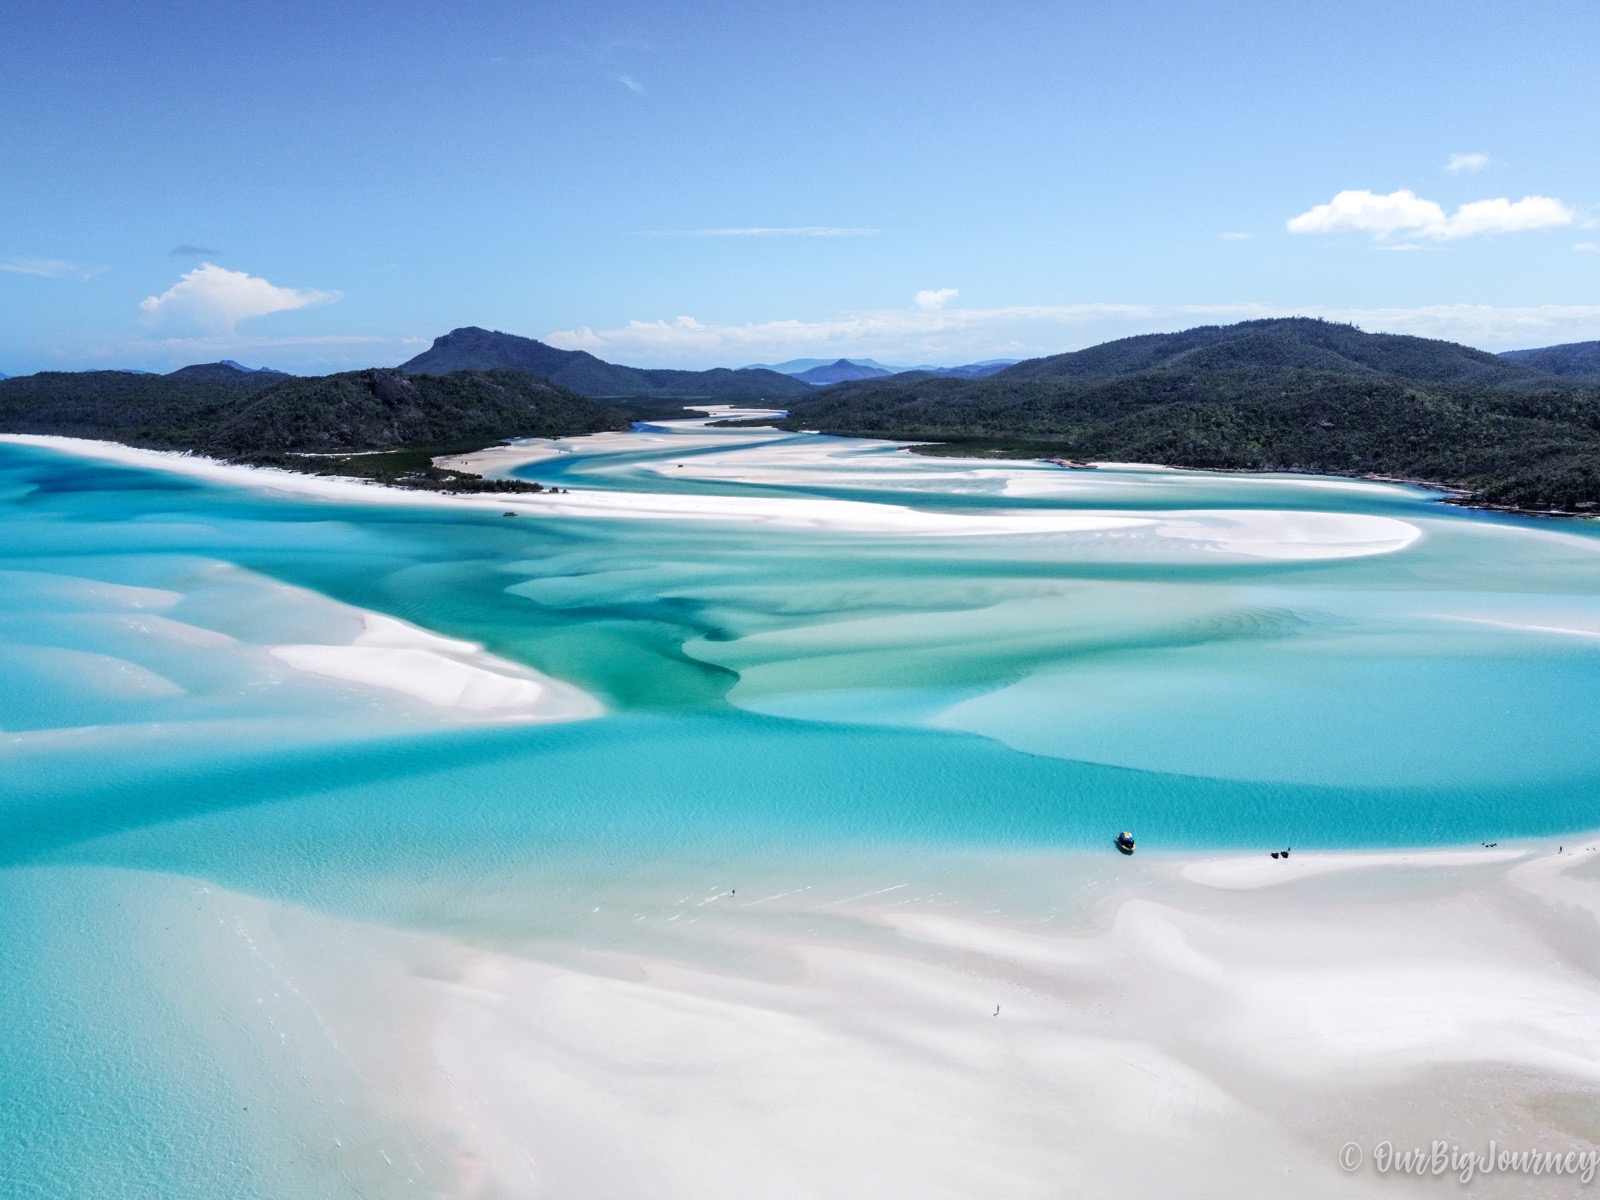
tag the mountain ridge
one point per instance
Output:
(473, 348)
(1292, 394)
(803, 368)
(1305, 343)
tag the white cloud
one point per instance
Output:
(1587, 247)
(48, 268)
(632, 84)
(1506, 216)
(1367, 212)
(1234, 236)
(214, 298)
(1384, 216)
(935, 299)
(1460, 164)
(765, 231)
(971, 334)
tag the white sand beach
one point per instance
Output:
(395, 656)
(222, 630)
(1170, 1028)
(1282, 535)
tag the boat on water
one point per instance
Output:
(1124, 842)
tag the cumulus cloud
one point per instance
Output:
(214, 298)
(48, 268)
(935, 299)
(1461, 164)
(765, 231)
(1506, 216)
(1404, 212)
(1023, 331)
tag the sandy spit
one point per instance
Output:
(1245, 533)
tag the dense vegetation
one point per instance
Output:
(163, 411)
(1575, 360)
(1284, 344)
(314, 423)
(382, 408)
(479, 349)
(1294, 395)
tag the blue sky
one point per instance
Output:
(320, 186)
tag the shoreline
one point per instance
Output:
(1274, 535)
(1452, 494)
(913, 1026)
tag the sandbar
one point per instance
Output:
(1252, 534)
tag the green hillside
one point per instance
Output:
(1575, 360)
(311, 423)
(474, 349)
(1289, 343)
(382, 408)
(1285, 396)
(167, 411)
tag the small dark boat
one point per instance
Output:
(1124, 842)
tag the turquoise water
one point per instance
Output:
(781, 692)
(793, 685)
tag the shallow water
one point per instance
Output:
(1444, 692)
(1225, 673)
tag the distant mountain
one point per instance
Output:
(825, 371)
(975, 370)
(842, 371)
(228, 362)
(1574, 360)
(1285, 395)
(796, 366)
(224, 371)
(477, 349)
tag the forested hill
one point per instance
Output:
(1266, 395)
(472, 348)
(1292, 343)
(254, 413)
(1575, 360)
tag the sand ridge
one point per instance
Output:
(1250, 534)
